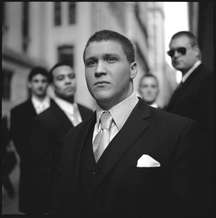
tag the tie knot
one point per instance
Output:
(106, 120)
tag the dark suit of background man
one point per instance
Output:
(22, 117)
(194, 98)
(151, 165)
(50, 127)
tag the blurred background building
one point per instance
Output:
(42, 33)
(46, 32)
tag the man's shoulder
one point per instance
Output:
(21, 106)
(85, 108)
(49, 114)
(203, 73)
(171, 120)
(82, 127)
(162, 120)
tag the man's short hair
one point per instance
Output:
(105, 35)
(189, 35)
(59, 64)
(38, 70)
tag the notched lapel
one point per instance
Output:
(61, 116)
(88, 127)
(137, 123)
(30, 108)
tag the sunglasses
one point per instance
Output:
(180, 50)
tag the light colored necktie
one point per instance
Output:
(76, 117)
(102, 138)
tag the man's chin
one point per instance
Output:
(40, 95)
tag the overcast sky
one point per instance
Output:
(176, 19)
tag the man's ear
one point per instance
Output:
(29, 85)
(197, 50)
(133, 70)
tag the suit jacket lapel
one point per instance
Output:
(31, 110)
(126, 137)
(181, 90)
(87, 128)
(61, 115)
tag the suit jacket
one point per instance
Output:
(22, 117)
(49, 129)
(195, 98)
(175, 189)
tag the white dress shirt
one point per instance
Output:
(119, 113)
(154, 105)
(190, 71)
(71, 110)
(40, 106)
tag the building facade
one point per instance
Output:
(42, 33)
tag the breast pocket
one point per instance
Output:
(148, 176)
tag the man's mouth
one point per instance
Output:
(101, 83)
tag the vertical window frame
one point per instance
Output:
(57, 9)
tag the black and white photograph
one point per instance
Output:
(108, 109)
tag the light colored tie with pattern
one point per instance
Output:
(102, 138)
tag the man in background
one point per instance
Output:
(194, 97)
(49, 130)
(22, 117)
(149, 89)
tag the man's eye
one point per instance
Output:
(60, 77)
(111, 59)
(71, 76)
(90, 63)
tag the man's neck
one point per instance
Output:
(188, 72)
(67, 99)
(107, 104)
(39, 98)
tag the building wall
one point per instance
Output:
(13, 38)
(45, 38)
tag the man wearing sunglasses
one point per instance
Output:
(194, 98)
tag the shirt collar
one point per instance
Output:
(154, 105)
(191, 70)
(65, 105)
(121, 111)
(38, 103)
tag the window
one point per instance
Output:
(6, 84)
(72, 12)
(25, 26)
(3, 13)
(57, 14)
(66, 54)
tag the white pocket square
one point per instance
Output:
(147, 161)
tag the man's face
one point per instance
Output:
(64, 82)
(183, 62)
(38, 85)
(149, 89)
(108, 73)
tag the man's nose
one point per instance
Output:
(176, 54)
(100, 69)
(68, 79)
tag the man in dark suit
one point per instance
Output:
(22, 117)
(129, 159)
(194, 98)
(50, 128)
